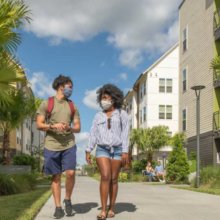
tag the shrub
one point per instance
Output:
(123, 177)
(139, 165)
(137, 177)
(11, 184)
(178, 166)
(7, 185)
(192, 166)
(25, 159)
(210, 176)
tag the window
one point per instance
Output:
(161, 85)
(144, 88)
(144, 114)
(208, 3)
(130, 105)
(218, 151)
(140, 117)
(185, 39)
(141, 94)
(130, 124)
(169, 85)
(184, 120)
(169, 112)
(184, 79)
(161, 111)
(165, 112)
(169, 133)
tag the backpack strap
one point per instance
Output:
(50, 106)
(72, 108)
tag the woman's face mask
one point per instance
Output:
(106, 104)
(67, 91)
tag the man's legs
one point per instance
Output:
(70, 181)
(69, 165)
(56, 189)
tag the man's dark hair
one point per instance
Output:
(113, 91)
(61, 81)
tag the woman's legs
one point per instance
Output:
(104, 165)
(115, 169)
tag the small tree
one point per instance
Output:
(178, 167)
(150, 139)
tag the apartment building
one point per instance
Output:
(25, 138)
(199, 43)
(154, 98)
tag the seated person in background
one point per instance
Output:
(149, 171)
(159, 171)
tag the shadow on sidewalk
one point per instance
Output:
(125, 207)
(82, 208)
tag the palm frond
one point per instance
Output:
(215, 63)
(13, 15)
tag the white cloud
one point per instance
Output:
(90, 99)
(41, 85)
(123, 76)
(135, 29)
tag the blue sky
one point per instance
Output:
(94, 42)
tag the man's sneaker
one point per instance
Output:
(59, 213)
(68, 207)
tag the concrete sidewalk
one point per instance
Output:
(139, 201)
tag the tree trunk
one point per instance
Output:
(6, 148)
(149, 156)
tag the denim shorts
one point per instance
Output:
(102, 151)
(56, 162)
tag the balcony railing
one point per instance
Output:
(216, 24)
(216, 122)
(216, 79)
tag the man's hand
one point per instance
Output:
(124, 159)
(88, 158)
(59, 126)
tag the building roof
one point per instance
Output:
(181, 4)
(161, 58)
(142, 75)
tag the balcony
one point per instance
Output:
(216, 24)
(216, 79)
(216, 124)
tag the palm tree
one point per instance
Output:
(13, 15)
(150, 139)
(13, 115)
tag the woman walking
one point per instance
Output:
(110, 132)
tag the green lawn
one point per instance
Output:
(202, 189)
(23, 206)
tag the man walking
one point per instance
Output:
(59, 118)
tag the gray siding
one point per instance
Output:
(197, 58)
(206, 147)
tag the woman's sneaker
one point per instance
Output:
(68, 207)
(59, 213)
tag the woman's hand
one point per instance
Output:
(124, 159)
(88, 158)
